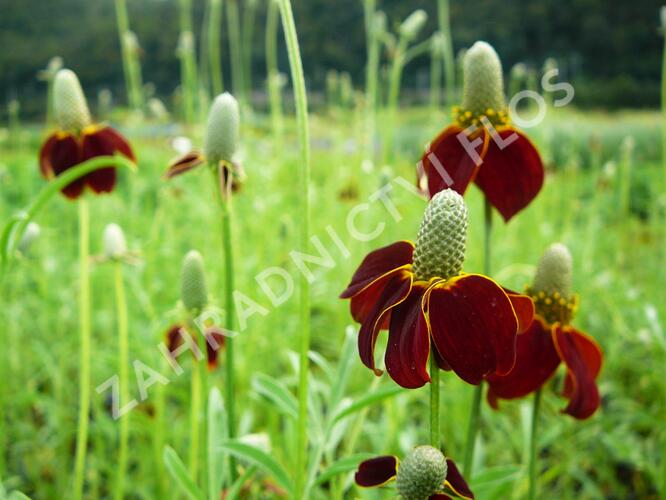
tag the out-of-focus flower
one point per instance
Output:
(419, 293)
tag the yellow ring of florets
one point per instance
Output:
(465, 118)
(553, 307)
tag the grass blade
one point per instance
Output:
(179, 473)
(261, 459)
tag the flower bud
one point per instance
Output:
(483, 82)
(441, 242)
(69, 102)
(115, 246)
(222, 129)
(410, 27)
(193, 291)
(421, 474)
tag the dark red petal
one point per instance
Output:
(439, 496)
(409, 342)
(397, 289)
(376, 471)
(511, 177)
(473, 326)
(456, 482)
(64, 153)
(364, 302)
(377, 263)
(583, 358)
(523, 306)
(45, 156)
(174, 337)
(215, 340)
(447, 164)
(536, 361)
(104, 142)
(184, 163)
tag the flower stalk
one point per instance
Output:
(447, 50)
(214, 20)
(533, 446)
(131, 67)
(274, 80)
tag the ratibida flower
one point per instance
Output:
(220, 145)
(482, 146)
(551, 340)
(178, 335)
(420, 293)
(424, 474)
(79, 139)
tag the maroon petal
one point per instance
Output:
(104, 142)
(583, 358)
(473, 325)
(510, 176)
(61, 152)
(376, 471)
(184, 163)
(455, 482)
(215, 340)
(536, 361)
(409, 342)
(523, 306)
(174, 337)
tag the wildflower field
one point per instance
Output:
(199, 312)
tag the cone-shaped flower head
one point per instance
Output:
(193, 291)
(115, 246)
(222, 129)
(483, 82)
(421, 473)
(410, 27)
(71, 108)
(441, 241)
(551, 290)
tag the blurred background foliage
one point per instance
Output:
(609, 49)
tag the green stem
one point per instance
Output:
(272, 71)
(300, 98)
(663, 111)
(449, 60)
(435, 438)
(233, 26)
(371, 72)
(533, 445)
(249, 17)
(123, 370)
(195, 412)
(130, 69)
(214, 20)
(84, 354)
(435, 76)
(224, 200)
(473, 426)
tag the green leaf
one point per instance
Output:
(341, 467)
(277, 393)
(372, 398)
(234, 491)
(217, 434)
(344, 367)
(179, 473)
(261, 459)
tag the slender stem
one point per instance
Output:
(372, 40)
(224, 200)
(533, 445)
(473, 426)
(123, 371)
(447, 53)
(300, 98)
(435, 439)
(133, 93)
(663, 112)
(214, 20)
(84, 354)
(233, 26)
(249, 18)
(272, 71)
(195, 412)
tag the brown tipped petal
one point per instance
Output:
(455, 481)
(215, 340)
(583, 358)
(376, 471)
(184, 164)
(536, 362)
(408, 343)
(378, 263)
(473, 326)
(61, 154)
(511, 176)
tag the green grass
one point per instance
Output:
(619, 275)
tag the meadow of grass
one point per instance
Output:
(603, 197)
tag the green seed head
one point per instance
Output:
(554, 272)
(222, 129)
(410, 27)
(193, 291)
(421, 474)
(440, 244)
(69, 102)
(115, 246)
(483, 82)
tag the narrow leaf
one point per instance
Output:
(179, 473)
(261, 459)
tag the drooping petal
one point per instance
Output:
(455, 482)
(184, 163)
(60, 152)
(215, 340)
(583, 358)
(377, 263)
(512, 175)
(174, 337)
(536, 361)
(523, 306)
(396, 290)
(473, 326)
(104, 142)
(376, 471)
(409, 342)
(451, 160)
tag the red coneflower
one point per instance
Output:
(215, 339)
(78, 140)
(419, 293)
(425, 474)
(551, 340)
(482, 145)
